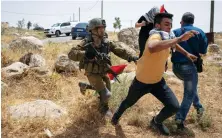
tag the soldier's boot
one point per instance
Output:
(84, 86)
(104, 107)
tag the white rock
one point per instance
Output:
(64, 64)
(15, 69)
(28, 42)
(37, 61)
(214, 48)
(123, 45)
(38, 108)
(129, 36)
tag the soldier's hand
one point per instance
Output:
(134, 58)
(186, 36)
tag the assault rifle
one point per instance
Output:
(101, 58)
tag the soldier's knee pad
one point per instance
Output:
(105, 94)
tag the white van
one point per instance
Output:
(60, 28)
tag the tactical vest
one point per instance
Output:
(90, 64)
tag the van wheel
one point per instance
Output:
(67, 34)
(57, 33)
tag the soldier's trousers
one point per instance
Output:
(99, 82)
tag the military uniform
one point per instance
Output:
(95, 71)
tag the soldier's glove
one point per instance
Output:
(134, 59)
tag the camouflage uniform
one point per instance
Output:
(97, 73)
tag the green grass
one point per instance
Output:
(119, 92)
(204, 122)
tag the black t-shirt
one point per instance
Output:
(144, 31)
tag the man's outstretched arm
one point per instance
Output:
(156, 45)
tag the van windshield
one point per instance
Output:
(55, 25)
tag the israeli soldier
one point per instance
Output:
(96, 69)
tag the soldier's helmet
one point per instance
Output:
(96, 22)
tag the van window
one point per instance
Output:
(56, 25)
(65, 24)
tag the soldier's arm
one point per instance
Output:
(122, 50)
(77, 53)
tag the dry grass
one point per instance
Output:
(83, 119)
(7, 38)
(53, 50)
(11, 32)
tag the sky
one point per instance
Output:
(47, 13)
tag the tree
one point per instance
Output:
(35, 25)
(21, 24)
(114, 26)
(117, 23)
(29, 24)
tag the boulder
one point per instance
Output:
(64, 64)
(27, 43)
(129, 36)
(37, 61)
(123, 46)
(33, 60)
(14, 70)
(38, 108)
(214, 48)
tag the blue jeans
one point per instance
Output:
(188, 73)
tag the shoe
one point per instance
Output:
(82, 87)
(160, 127)
(182, 130)
(200, 112)
(104, 110)
(114, 120)
(180, 124)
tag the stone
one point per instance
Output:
(26, 43)
(214, 48)
(64, 64)
(38, 108)
(14, 70)
(129, 36)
